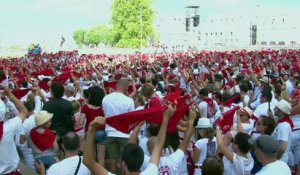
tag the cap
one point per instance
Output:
(42, 117)
(284, 106)
(267, 144)
(203, 123)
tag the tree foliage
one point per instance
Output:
(132, 22)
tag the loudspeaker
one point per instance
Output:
(196, 20)
(187, 24)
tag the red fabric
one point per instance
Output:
(127, 121)
(288, 120)
(229, 102)
(43, 85)
(209, 102)
(44, 140)
(91, 114)
(171, 77)
(20, 93)
(227, 120)
(181, 101)
(1, 130)
(173, 96)
(111, 84)
(153, 102)
(178, 114)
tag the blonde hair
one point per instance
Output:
(75, 105)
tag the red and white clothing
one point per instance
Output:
(9, 156)
(114, 104)
(150, 170)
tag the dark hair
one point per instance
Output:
(153, 129)
(267, 93)
(147, 90)
(172, 66)
(133, 157)
(140, 99)
(241, 139)
(57, 89)
(96, 95)
(269, 123)
(24, 83)
(208, 133)
(172, 140)
(212, 166)
(70, 141)
(86, 93)
(143, 80)
(203, 92)
(29, 105)
(244, 86)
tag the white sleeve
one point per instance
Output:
(238, 164)
(152, 169)
(284, 131)
(145, 163)
(255, 104)
(38, 104)
(177, 157)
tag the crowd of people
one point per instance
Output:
(208, 112)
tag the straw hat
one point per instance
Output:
(42, 117)
(265, 80)
(247, 111)
(203, 123)
(284, 106)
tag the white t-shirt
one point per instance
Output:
(206, 149)
(283, 132)
(168, 164)
(275, 168)
(114, 104)
(68, 167)
(28, 125)
(9, 156)
(240, 165)
(150, 170)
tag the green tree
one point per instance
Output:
(132, 22)
(98, 34)
(79, 36)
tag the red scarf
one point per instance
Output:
(42, 140)
(1, 130)
(209, 102)
(288, 120)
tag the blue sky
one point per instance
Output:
(29, 21)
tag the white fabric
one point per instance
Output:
(202, 147)
(114, 104)
(283, 132)
(289, 87)
(262, 110)
(68, 167)
(9, 157)
(275, 168)
(150, 170)
(235, 89)
(143, 144)
(240, 165)
(246, 101)
(169, 164)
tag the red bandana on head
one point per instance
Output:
(42, 140)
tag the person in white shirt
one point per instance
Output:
(8, 129)
(114, 104)
(132, 156)
(208, 107)
(241, 161)
(283, 130)
(173, 163)
(206, 146)
(72, 164)
(263, 108)
(265, 149)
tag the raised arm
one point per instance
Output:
(189, 133)
(89, 152)
(19, 105)
(134, 135)
(155, 156)
(222, 147)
